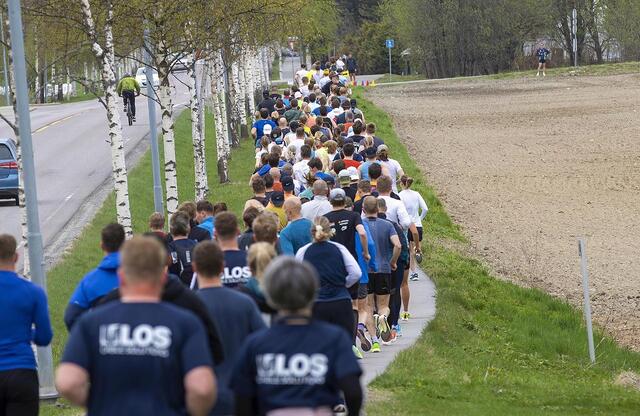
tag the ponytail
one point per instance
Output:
(321, 229)
(406, 181)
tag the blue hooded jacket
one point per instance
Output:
(93, 286)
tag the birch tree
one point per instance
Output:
(105, 56)
(197, 133)
(217, 98)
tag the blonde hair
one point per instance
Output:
(259, 257)
(321, 229)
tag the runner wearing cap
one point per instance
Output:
(344, 179)
(299, 366)
(288, 186)
(275, 206)
(257, 131)
(298, 232)
(370, 155)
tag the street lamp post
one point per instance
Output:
(153, 128)
(34, 238)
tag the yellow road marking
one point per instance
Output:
(53, 123)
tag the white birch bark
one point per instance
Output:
(222, 102)
(234, 94)
(196, 133)
(222, 160)
(201, 100)
(168, 136)
(105, 57)
(238, 80)
(250, 83)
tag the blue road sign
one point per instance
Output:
(390, 43)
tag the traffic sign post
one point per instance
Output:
(390, 44)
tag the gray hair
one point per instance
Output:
(320, 187)
(290, 284)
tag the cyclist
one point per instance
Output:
(129, 89)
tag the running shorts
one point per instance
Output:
(380, 283)
(354, 291)
(410, 234)
(363, 290)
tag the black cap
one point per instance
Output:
(353, 103)
(370, 152)
(329, 180)
(287, 183)
(294, 125)
(277, 198)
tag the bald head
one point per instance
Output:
(320, 187)
(292, 207)
(275, 174)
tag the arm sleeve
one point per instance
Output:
(353, 269)
(350, 387)
(285, 244)
(71, 315)
(42, 333)
(423, 206)
(135, 81)
(300, 254)
(77, 349)
(194, 348)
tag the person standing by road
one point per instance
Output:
(101, 280)
(542, 53)
(235, 314)
(128, 88)
(140, 355)
(24, 319)
(352, 67)
(299, 366)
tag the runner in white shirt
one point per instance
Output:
(417, 209)
(396, 211)
(393, 166)
(301, 169)
(302, 72)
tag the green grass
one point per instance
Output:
(494, 348)
(85, 253)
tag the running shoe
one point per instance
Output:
(405, 316)
(356, 352)
(375, 347)
(414, 276)
(339, 408)
(376, 319)
(383, 327)
(365, 339)
(392, 338)
(398, 331)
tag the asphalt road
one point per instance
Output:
(73, 157)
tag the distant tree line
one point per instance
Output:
(468, 37)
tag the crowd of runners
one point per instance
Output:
(263, 313)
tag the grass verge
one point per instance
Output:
(85, 253)
(399, 78)
(494, 348)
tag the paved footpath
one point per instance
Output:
(422, 307)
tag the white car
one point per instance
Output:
(142, 78)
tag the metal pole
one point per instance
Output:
(153, 129)
(34, 238)
(4, 62)
(389, 64)
(587, 303)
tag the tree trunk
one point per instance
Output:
(201, 100)
(221, 140)
(168, 136)
(234, 100)
(105, 57)
(250, 78)
(240, 98)
(196, 133)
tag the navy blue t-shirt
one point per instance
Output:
(236, 316)
(236, 270)
(137, 355)
(294, 366)
(180, 253)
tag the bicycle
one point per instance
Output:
(127, 109)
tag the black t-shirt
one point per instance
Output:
(180, 253)
(357, 206)
(344, 223)
(294, 366)
(269, 104)
(236, 270)
(137, 355)
(351, 191)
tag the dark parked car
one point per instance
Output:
(8, 170)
